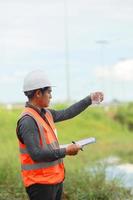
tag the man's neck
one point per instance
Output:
(34, 105)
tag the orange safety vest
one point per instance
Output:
(41, 172)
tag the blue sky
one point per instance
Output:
(32, 36)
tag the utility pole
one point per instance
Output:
(67, 64)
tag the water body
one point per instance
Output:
(122, 172)
(114, 170)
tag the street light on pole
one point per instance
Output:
(102, 43)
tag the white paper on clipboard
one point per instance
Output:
(82, 143)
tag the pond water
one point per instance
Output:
(122, 172)
(114, 170)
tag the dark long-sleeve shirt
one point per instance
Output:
(28, 134)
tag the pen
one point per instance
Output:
(75, 143)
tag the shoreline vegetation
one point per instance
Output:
(112, 126)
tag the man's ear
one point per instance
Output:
(38, 93)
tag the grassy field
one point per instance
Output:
(113, 139)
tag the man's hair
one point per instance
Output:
(30, 94)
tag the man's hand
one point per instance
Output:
(72, 149)
(97, 97)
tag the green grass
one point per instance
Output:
(85, 186)
(113, 138)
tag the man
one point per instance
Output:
(40, 154)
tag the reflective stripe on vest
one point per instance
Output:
(52, 145)
(41, 165)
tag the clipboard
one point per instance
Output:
(82, 143)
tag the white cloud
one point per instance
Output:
(121, 71)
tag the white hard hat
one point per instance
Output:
(35, 80)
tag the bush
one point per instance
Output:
(124, 115)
